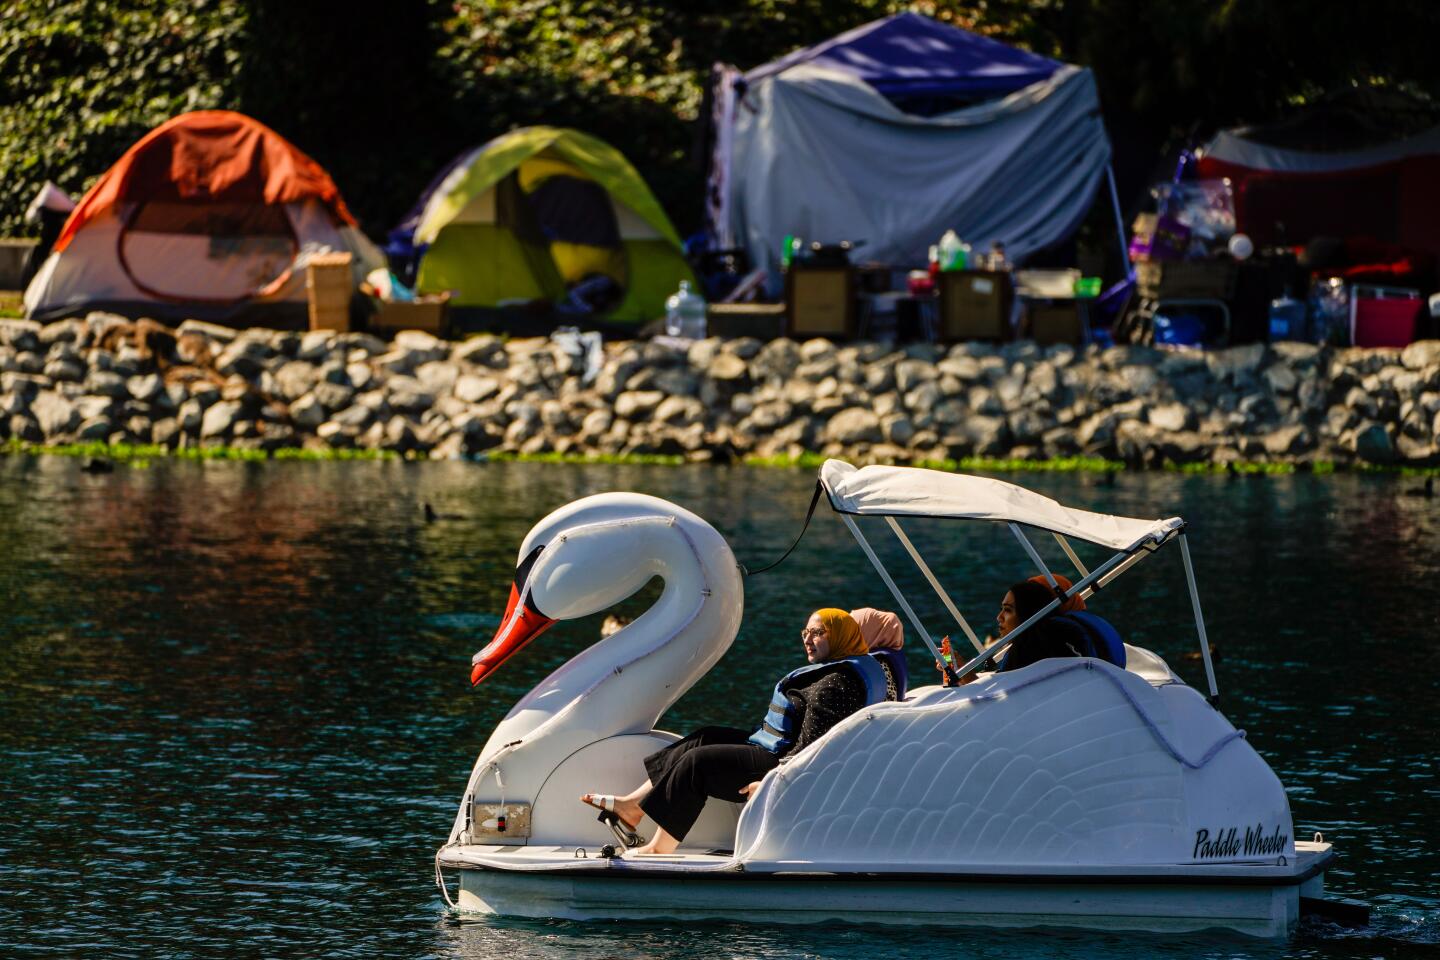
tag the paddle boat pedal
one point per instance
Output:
(1099, 792)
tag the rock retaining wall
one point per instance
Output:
(108, 379)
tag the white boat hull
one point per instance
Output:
(1259, 900)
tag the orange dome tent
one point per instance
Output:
(209, 215)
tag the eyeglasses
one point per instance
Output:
(815, 634)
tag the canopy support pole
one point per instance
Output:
(1110, 577)
(895, 591)
(995, 649)
(1069, 552)
(944, 597)
(1034, 555)
(1199, 620)
(1119, 221)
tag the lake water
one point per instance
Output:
(235, 714)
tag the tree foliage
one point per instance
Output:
(384, 94)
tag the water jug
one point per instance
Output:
(952, 251)
(1287, 318)
(685, 313)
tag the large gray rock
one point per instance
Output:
(245, 357)
(191, 417)
(1235, 362)
(776, 361)
(677, 382)
(145, 388)
(475, 389)
(897, 429)
(989, 436)
(729, 369)
(679, 411)
(355, 417)
(308, 412)
(22, 426)
(361, 375)
(22, 335)
(296, 378)
(333, 396)
(1288, 441)
(211, 331)
(97, 428)
(637, 404)
(70, 330)
(107, 384)
(437, 376)
(423, 346)
(1421, 355)
(165, 431)
(220, 419)
(1374, 444)
(1139, 380)
(316, 346)
(484, 351)
(909, 374)
(64, 371)
(90, 408)
(25, 385)
(1170, 416)
(55, 415)
(854, 425)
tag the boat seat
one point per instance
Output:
(895, 660)
(1100, 639)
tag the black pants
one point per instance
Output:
(711, 762)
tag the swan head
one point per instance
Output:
(580, 560)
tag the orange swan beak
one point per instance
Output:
(521, 624)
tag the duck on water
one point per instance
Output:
(1092, 791)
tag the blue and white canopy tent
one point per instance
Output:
(896, 131)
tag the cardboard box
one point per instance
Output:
(430, 313)
(820, 302)
(329, 287)
(975, 305)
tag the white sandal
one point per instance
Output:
(624, 832)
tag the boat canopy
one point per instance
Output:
(896, 492)
(882, 491)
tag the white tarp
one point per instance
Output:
(913, 492)
(821, 155)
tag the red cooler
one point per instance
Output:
(1383, 316)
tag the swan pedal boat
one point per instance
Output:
(1069, 793)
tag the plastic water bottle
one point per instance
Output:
(1287, 318)
(685, 313)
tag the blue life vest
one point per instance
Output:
(781, 726)
(1102, 641)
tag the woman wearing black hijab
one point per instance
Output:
(1022, 601)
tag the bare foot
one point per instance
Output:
(628, 810)
(662, 844)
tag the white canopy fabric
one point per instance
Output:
(912, 492)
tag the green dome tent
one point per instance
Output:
(531, 213)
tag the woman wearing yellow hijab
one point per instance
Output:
(727, 762)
